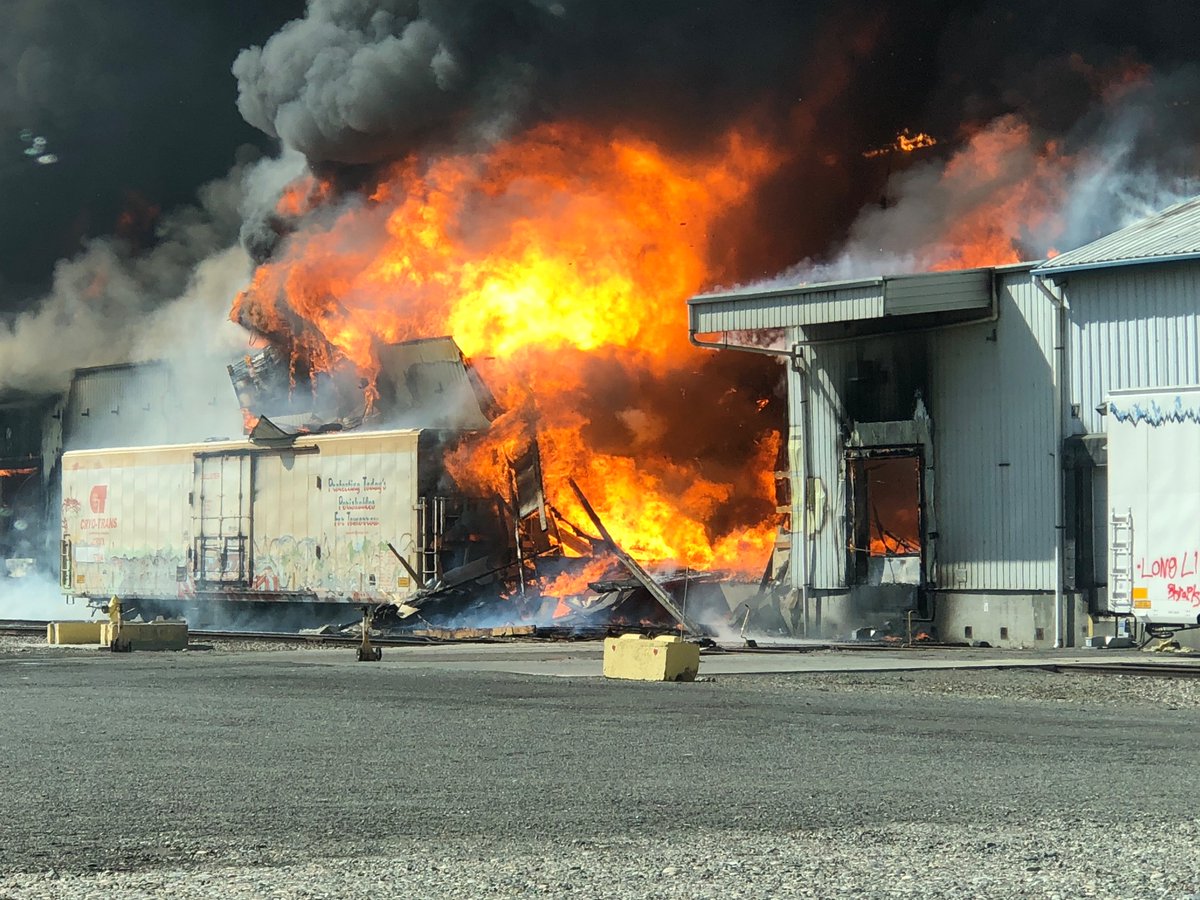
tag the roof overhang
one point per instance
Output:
(1050, 270)
(897, 300)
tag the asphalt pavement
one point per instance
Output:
(295, 774)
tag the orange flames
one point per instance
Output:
(1008, 187)
(560, 261)
(905, 142)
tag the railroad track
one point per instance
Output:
(21, 627)
(25, 628)
(1141, 669)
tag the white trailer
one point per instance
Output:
(1154, 505)
(231, 520)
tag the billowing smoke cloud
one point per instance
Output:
(356, 82)
(1012, 190)
(111, 304)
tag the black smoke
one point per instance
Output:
(135, 99)
(354, 83)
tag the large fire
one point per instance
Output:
(560, 262)
(1011, 187)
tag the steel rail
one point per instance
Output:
(1140, 669)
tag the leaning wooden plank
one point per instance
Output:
(634, 567)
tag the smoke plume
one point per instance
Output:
(112, 304)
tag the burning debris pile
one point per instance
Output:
(504, 557)
(558, 262)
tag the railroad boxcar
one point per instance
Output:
(314, 522)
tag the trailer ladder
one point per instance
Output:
(1120, 552)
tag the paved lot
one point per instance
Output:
(297, 774)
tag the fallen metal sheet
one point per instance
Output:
(655, 589)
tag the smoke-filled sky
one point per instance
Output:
(146, 102)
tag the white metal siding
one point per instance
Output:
(994, 433)
(148, 404)
(751, 312)
(938, 291)
(827, 553)
(992, 405)
(1132, 327)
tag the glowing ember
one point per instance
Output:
(905, 142)
(560, 261)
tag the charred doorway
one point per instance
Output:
(886, 515)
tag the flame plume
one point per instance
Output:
(560, 261)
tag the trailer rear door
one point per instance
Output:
(223, 490)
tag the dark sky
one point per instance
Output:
(137, 98)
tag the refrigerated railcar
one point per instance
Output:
(234, 522)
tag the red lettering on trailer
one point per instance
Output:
(1182, 565)
(1188, 593)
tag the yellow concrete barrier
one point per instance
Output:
(638, 658)
(157, 635)
(58, 633)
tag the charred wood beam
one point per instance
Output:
(634, 567)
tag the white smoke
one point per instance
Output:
(111, 305)
(38, 597)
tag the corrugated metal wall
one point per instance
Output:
(779, 309)
(1132, 327)
(148, 404)
(992, 402)
(991, 399)
(827, 553)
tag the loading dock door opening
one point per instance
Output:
(885, 521)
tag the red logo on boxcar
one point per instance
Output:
(98, 497)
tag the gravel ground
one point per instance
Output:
(217, 774)
(1062, 860)
(1080, 689)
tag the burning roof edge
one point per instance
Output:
(961, 292)
(1172, 235)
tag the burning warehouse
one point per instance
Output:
(501, 187)
(946, 439)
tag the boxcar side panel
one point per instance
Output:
(323, 521)
(128, 521)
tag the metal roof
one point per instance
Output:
(1173, 234)
(842, 301)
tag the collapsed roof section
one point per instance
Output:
(425, 383)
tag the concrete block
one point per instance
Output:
(157, 635)
(59, 633)
(638, 658)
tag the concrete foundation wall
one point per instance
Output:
(1009, 620)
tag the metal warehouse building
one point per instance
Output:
(946, 434)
